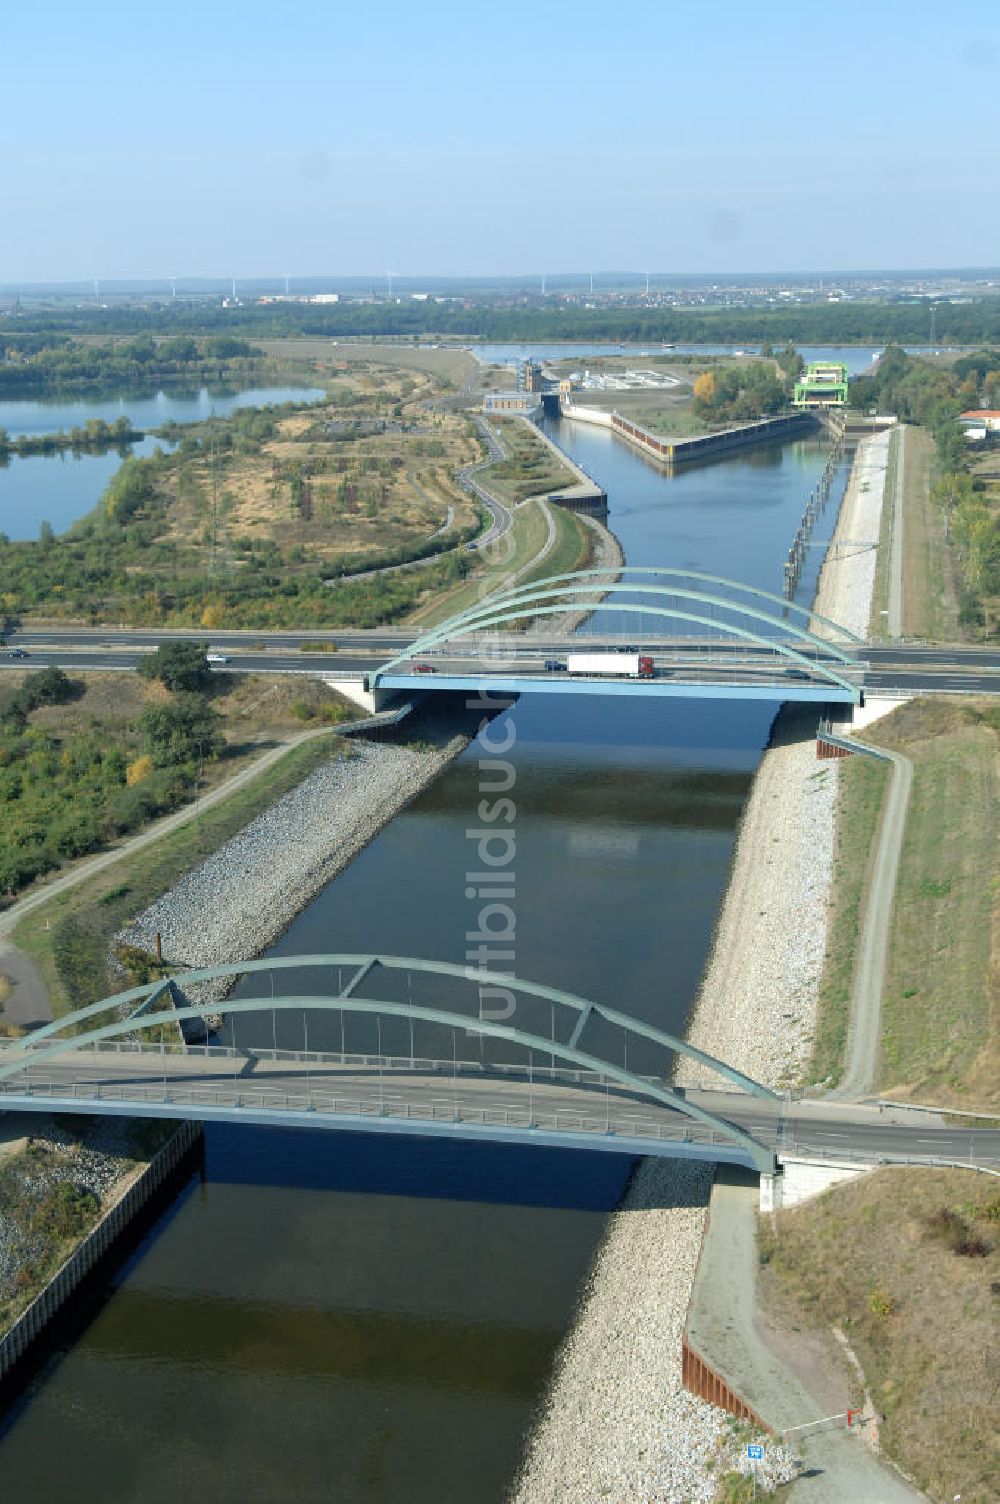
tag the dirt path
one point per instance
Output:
(29, 1000)
(865, 1026)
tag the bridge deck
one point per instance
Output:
(704, 686)
(556, 1107)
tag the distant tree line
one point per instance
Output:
(95, 435)
(935, 396)
(52, 362)
(972, 323)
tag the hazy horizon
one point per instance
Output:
(222, 138)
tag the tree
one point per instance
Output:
(704, 389)
(186, 731)
(181, 666)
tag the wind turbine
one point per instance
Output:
(173, 286)
(287, 279)
(388, 278)
(543, 284)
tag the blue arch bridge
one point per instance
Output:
(554, 1071)
(706, 637)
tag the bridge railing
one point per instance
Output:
(250, 1098)
(400, 1064)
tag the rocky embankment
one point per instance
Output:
(617, 1424)
(757, 1004)
(848, 576)
(32, 1170)
(246, 894)
(756, 1008)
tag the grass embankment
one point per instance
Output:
(531, 468)
(69, 937)
(941, 998)
(904, 1262)
(941, 1003)
(930, 603)
(528, 535)
(572, 547)
(861, 789)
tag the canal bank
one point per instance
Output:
(91, 1170)
(245, 895)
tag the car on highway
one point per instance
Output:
(17, 653)
(422, 668)
(554, 666)
(216, 658)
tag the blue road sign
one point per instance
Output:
(755, 1452)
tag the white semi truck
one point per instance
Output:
(615, 665)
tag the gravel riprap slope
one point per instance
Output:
(238, 901)
(848, 575)
(617, 1425)
(757, 1005)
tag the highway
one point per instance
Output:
(910, 669)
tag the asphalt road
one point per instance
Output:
(817, 1128)
(358, 653)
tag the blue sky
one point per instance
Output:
(447, 138)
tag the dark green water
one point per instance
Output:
(362, 1319)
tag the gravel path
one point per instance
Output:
(247, 893)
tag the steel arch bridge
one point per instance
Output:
(757, 627)
(95, 1060)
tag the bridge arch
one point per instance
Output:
(133, 1010)
(613, 576)
(524, 608)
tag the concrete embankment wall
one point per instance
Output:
(685, 451)
(131, 1197)
(586, 495)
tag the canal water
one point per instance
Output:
(362, 1319)
(60, 488)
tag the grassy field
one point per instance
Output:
(877, 1259)
(573, 547)
(322, 355)
(69, 937)
(531, 469)
(514, 552)
(941, 1004)
(941, 998)
(862, 783)
(249, 518)
(930, 605)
